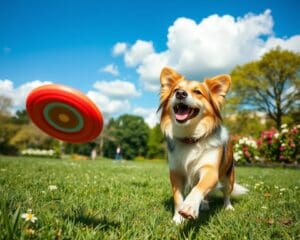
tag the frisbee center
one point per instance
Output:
(63, 117)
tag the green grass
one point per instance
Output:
(132, 200)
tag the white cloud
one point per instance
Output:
(108, 106)
(292, 43)
(112, 97)
(150, 115)
(136, 54)
(213, 46)
(111, 68)
(117, 89)
(119, 48)
(19, 94)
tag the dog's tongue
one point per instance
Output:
(182, 114)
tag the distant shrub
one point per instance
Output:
(39, 153)
(245, 150)
(272, 146)
(280, 146)
(139, 158)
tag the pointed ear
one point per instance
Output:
(168, 78)
(218, 87)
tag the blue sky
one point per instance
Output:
(74, 43)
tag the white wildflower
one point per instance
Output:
(29, 216)
(276, 135)
(285, 131)
(52, 187)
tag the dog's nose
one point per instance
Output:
(181, 94)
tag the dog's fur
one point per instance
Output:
(199, 149)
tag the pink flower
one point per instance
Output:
(294, 131)
(293, 145)
(281, 157)
(247, 154)
(259, 142)
(270, 135)
(281, 148)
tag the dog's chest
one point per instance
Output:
(189, 158)
(185, 157)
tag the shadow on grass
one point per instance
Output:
(193, 227)
(82, 217)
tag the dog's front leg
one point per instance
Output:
(177, 182)
(208, 179)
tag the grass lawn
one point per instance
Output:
(132, 200)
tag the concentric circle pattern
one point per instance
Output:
(64, 113)
(63, 117)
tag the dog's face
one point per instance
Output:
(191, 108)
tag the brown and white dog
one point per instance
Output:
(199, 148)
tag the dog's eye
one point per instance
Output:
(198, 92)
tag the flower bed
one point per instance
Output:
(272, 146)
(39, 153)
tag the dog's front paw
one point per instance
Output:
(177, 219)
(190, 207)
(229, 207)
(189, 212)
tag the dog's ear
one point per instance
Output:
(168, 78)
(218, 87)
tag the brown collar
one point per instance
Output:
(189, 140)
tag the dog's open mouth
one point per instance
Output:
(183, 112)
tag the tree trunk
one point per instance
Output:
(278, 120)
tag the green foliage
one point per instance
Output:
(35, 152)
(270, 84)
(245, 150)
(29, 135)
(133, 200)
(7, 131)
(82, 149)
(156, 145)
(272, 146)
(130, 133)
(280, 146)
(21, 117)
(245, 123)
(18, 133)
(5, 105)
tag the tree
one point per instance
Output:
(5, 105)
(30, 136)
(270, 84)
(246, 123)
(21, 117)
(82, 149)
(131, 133)
(7, 128)
(7, 131)
(156, 146)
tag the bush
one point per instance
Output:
(272, 146)
(40, 153)
(245, 150)
(280, 146)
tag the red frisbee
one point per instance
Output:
(64, 113)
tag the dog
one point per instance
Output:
(200, 153)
